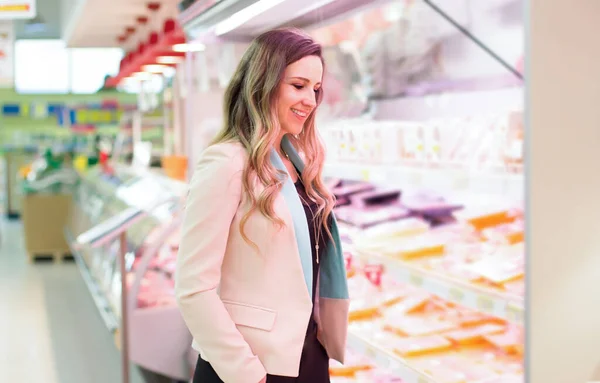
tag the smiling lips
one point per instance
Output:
(300, 113)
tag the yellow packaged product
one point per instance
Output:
(424, 245)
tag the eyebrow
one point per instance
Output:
(303, 79)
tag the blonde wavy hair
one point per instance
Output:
(250, 118)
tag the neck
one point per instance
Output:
(278, 147)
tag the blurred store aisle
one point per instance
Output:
(50, 330)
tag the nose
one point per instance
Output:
(310, 101)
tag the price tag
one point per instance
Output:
(485, 304)
(456, 294)
(416, 279)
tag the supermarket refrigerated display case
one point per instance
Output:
(158, 338)
(423, 124)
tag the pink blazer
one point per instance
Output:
(248, 311)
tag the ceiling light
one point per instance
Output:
(155, 68)
(189, 47)
(141, 75)
(169, 72)
(243, 16)
(169, 59)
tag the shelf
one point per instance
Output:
(511, 185)
(481, 299)
(104, 308)
(386, 359)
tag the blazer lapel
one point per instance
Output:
(290, 195)
(332, 297)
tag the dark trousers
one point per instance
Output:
(314, 366)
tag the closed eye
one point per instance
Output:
(298, 86)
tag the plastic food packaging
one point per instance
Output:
(348, 190)
(473, 335)
(397, 228)
(372, 215)
(430, 208)
(353, 363)
(510, 341)
(415, 327)
(424, 245)
(510, 233)
(410, 347)
(376, 197)
(498, 270)
(487, 217)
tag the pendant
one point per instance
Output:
(317, 251)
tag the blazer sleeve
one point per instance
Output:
(213, 199)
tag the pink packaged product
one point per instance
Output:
(170, 266)
(370, 216)
(332, 183)
(348, 190)
(342, 201)
(441, 220)
(155, 290)
(376, 197)
(164, 255)
(430, 207)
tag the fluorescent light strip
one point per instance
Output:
(244, 15)
(154, 68)
(189, 47)
(169, 60)
(141, 75)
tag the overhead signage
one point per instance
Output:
(17, 9)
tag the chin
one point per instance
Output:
(293, 130)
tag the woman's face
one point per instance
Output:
(297, 93)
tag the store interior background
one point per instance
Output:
(529, 71)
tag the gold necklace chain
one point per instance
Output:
(314, 223)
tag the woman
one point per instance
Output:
(261, 281)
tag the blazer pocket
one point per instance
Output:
(251, 316)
